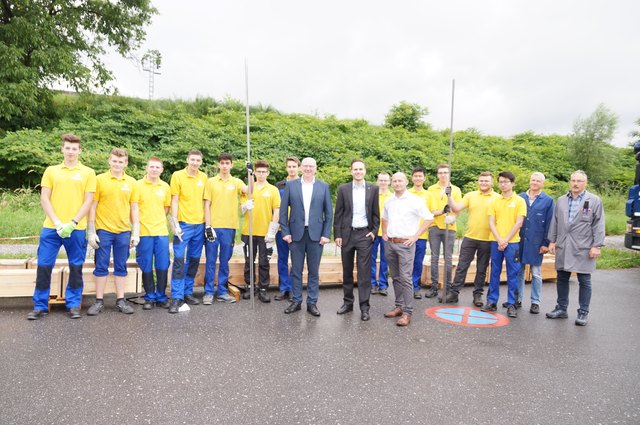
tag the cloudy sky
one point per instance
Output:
(519, 65)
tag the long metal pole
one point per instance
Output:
(249, 185)
(446, 226)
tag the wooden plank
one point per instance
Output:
(13, 264)
(22, 283)
(89, 280)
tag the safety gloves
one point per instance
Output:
(210, 234)
(92, 237)
(135, 235)
(65, 230)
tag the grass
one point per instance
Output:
(21, 214)
(612, 258)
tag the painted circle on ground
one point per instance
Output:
(467, 316)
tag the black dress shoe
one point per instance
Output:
(452, 297)
(345, 308)
(365, 316)
(282, 295)
(190, 299)
(312, 309)
(293, 306)
(477, 300)
(37, 314)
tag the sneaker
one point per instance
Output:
(477, 300)
(190, 299)
(518, 304)
(207, 299)
(375, 289)
(452, 298)
(124, 307)
(417, 295)
(432, 292)
(557, 313)
(383, 292)
(512, 311)
(174, 307)
(535, 309)
(163, 304)
(37, 314)
(264, 297)
(489, 307)
(226, 298)
(148, 305)
(246, 295)
(282, 295)
(583, 318)
(74, 313)
(96, 308)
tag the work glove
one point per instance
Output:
(247, 206)
(67, 229)
(135, 235)
(270, 237)
(175, 225)
(92, 238)
(210, 234)
(249, 167)
(447, 190)
(450, 219)
(59, 227)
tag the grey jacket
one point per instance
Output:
(574, 240)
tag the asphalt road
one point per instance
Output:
(228, 364)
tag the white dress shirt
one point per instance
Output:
(403, 214)
(359, 216)
(307, 193)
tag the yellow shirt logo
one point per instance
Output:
(126, 187)
(77, 176)
(160, 192)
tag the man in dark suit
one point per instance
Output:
(355, 226)
(306, 225)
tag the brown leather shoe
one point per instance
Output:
(404, 320)
(396, 312)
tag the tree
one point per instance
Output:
(406, 115)
(635, 133)
(47, 42)
(590, 147)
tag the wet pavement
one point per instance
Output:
(228, 364)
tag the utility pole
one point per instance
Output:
(151, 64)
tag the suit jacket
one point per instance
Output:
(574, 240)
(344, 210)
(292, 211)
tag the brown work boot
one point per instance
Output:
(396, 312)
(404, 320)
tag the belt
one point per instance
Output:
(356, 229)
(398, 240)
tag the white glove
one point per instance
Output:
(271, 232)
(135, 235)
(175, 225)
(247, 206)
(92, 237)
(210, 234)
(450, 219)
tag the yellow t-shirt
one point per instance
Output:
(68, 187)
(225, 201)
(438, 200)
(383, 197)
(114, 196)
(151, 199)
(190, 192)
(506, 211)
(265, 200)
(477, 204)
(424, 195)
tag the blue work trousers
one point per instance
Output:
(379, 280)
(191, 245)
(421, 249)
(284, 274)
(149, 249)
(511, 256)
(120, 244)
(224, 246)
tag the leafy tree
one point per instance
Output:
(590, 144)
(635, 133)
(47, 42)
(406, 115)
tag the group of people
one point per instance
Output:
(114, 213)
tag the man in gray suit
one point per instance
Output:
(355, 226)
(576, 234)
(305, 220)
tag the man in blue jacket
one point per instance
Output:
(533, 238)
(305, 219)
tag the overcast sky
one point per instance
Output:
(518, 65)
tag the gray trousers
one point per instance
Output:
(436, 239)
(400, 261)
(468, 249)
